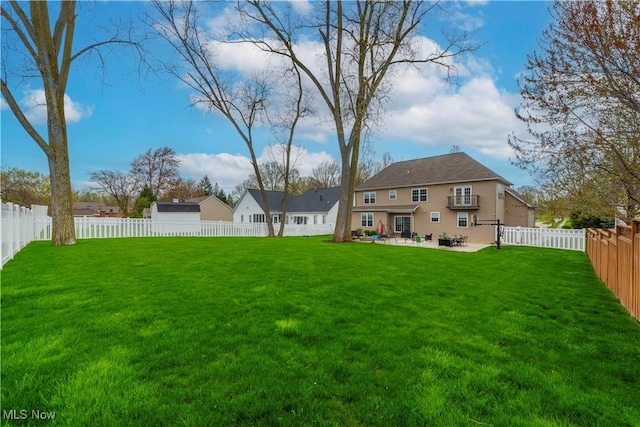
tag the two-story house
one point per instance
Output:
(440, 194)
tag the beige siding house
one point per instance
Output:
(439, 194)
(213, 209)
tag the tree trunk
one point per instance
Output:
(342, 231)
(63, 227)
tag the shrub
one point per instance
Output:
(581, 219)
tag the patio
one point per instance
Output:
(430, 244)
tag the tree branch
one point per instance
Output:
(15, 108)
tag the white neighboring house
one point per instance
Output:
(315, 207)
(171, 217)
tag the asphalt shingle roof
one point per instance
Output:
(319, 200)
(447, 168)
(177, 207)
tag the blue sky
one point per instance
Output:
(116, 116)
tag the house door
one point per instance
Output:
(402, 223)
(463, 196)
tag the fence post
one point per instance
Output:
(635, 269)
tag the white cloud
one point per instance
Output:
(478, 116)
(229, 170)
(3, 104)
(422, 107)
(301, 159)
(35, 107)
(243, 57)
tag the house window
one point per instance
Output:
(369, 198)
(367, 219)
(435, 216)
(419, 195)
(463, 220)
(258, 218)
(324, 219)
(402, 223)
(241, 218)
(500, 191)
(300, 220)
(315, 220)
(393, 194)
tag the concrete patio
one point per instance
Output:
(429, 244)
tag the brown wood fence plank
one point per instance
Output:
(615, 257)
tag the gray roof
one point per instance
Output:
(318, 200)
(445, 169)
(177, 207)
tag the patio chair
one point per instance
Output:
(428, 237)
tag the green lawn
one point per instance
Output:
(294, 331)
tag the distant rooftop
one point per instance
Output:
(177, 207)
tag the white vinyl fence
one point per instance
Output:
(557, 238)
(16, 229)
(20, 225)
(96, 228)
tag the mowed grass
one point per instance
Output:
(295, 331)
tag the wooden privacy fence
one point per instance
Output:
(615, 256)
(558, 238)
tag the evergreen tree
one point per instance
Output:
(145, 199)
(204, 186)
(219, 193)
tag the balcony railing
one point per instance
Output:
(463, 202)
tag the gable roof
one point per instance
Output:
(318, 200)
(444, 169)
(183, 207)
(518, 197)
(200, 200)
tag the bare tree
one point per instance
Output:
(157, 169)
(581, 105)
(123, 188)
(47, 49)
(273, 177)
(326, 174)
(241, 102)
(181, 189)
(363, 41)
(295, 105)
